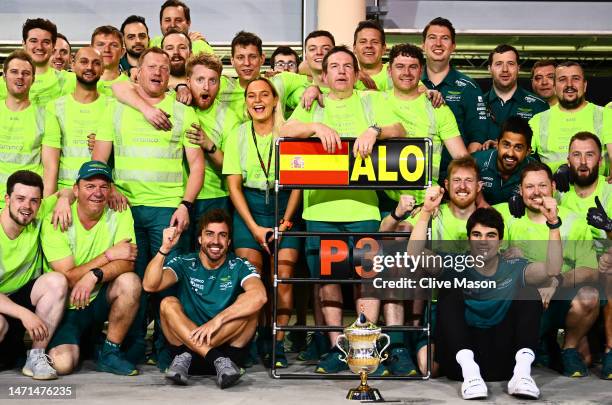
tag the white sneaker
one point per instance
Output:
(474, 388)
(38, 366)
(523, 387)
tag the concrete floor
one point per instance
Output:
(256, 387)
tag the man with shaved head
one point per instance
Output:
(73, 118)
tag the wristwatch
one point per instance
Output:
(98, 273)
(213, 149)
(188, 205)
(554, 226)
(179, 85)
(377, 129)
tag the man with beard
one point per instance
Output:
(175, 14)
(22, 126)
(553, 129)
(149, 166)
(543, 80)
(500, 169)
(506, 98)
(62, 54)
(178, 46)
(74, 118)
(28, 300)
(214, 315)
(568, 303)
(96, 254)
(136, 38)
(39, 37)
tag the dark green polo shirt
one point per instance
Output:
(495, 189)
(522, 103)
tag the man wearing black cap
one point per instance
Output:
(96, 254)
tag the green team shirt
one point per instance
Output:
(21, 258)
(290, 87)
(382, 79)
(553, 129)
(420, 120)
(21, 137)
(85, 245)
(67, 125)
(522, 103)
(241, 157)
(231, 94)
(46, 87)
(495, 189)
(104, 86)
(148, 162)
(446, 227)
(574, 203)
(350, 118)
(218, 121)
(197, 47)
(575, 236)
(205, 292)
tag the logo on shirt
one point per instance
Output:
(530, 99)
(480, 99)
(459, 83)
(196, 284)
(225, 283)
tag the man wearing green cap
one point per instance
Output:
(97, 255)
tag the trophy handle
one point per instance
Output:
(383, 358)
(339, 346)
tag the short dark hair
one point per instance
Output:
(283, 50)
(41, 23)
(205, 59)
(175, 3)
(442, 22)
(503, 48)
(21, 55)
(215, 216)
(62, 36)
(134, 19)
(172, 31)
(409, 50)
(465, 162)
(25, 177)
(585, 136)
(373, 24)
(542, 63)
(154, 49)
(570, 63)
(517, 125)
(320, 33)
(338, 49)
(489, 217)
(244, 38)
(107, 30)
(536, 167)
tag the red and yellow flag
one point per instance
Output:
(307, 163)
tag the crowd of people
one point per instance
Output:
(138, 183)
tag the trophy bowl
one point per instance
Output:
(362, 355)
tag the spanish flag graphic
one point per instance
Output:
(307, 163)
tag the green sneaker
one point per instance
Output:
(281, 358)
(381, 371)
(331, 363)
(606, 366)
(573, 366)
(112, 360)
(317, 346)
(296, 340)
(400, 362)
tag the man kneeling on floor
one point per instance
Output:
(215, 312)
(97, 255)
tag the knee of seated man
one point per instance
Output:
(128, 284)
(587, 299)
(167, 304)
(64, 360)
(55, 283)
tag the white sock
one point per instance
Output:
(524, 357)
(469, 368)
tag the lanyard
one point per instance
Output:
(266, 172)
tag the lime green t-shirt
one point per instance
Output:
(21, 137)
(532, 237)
(420, 120)
(148, 162)
(382, 79)
(232, 95)
(104, 86)
(241, 157)
(290, 87)
(580, 206)
(46, 87)
(445, 226)
(350, 118)
(82, 244)
(553, 129)
(21, 258)
(197, 47)
(218, 121)
(67, 125)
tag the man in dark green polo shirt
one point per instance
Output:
(500, 169)
(461, 93)
(505, 98)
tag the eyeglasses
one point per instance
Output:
(282, 65)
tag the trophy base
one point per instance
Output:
(364, 394)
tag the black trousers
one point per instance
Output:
(494, 348)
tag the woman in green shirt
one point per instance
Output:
(249, 166)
